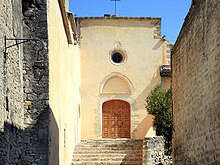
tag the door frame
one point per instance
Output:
(123, 98)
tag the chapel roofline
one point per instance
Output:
(117, 17)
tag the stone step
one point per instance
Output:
(128, 143)
(108, 163)
(110, 145)
(112, 142)
(107, 159)
(88, 156)
(82, 148)
(108, 151)
(103, 153)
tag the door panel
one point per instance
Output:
(116, 119)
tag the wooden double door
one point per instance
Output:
(116, 121)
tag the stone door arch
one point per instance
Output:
(116, 119)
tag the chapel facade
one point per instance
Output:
(120, 64)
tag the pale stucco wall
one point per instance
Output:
(64, 90)
(98, 37)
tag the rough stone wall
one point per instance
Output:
(11, 83)
(36, 81)
(24, 109)
(153, 151)
(11, 92)
(196, 85)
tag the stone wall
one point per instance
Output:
(153, 151)
(11, 92)
(195, 85)
(11, 82)
(36, 81)
(24, 109)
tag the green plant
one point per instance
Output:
(159, 104)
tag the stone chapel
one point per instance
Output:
(120, 64)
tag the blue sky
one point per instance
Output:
(172, 12)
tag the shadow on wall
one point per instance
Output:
(143, 127)
(30, 145)
(54, 141)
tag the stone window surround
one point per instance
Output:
(120, 51)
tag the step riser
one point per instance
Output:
(111, 143)
(103, 159)
(107, 152)
(107, 157)
(107, 149)
(104, 144)
(95, 152)
(107, 163)
(118, 146)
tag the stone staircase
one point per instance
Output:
(108, 152)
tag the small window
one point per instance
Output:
(64, 138)
(117, 57)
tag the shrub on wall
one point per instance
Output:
(159, 104)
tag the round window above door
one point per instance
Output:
(118, 57)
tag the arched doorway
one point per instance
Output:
(116, 120)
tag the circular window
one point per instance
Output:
(117, 57)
